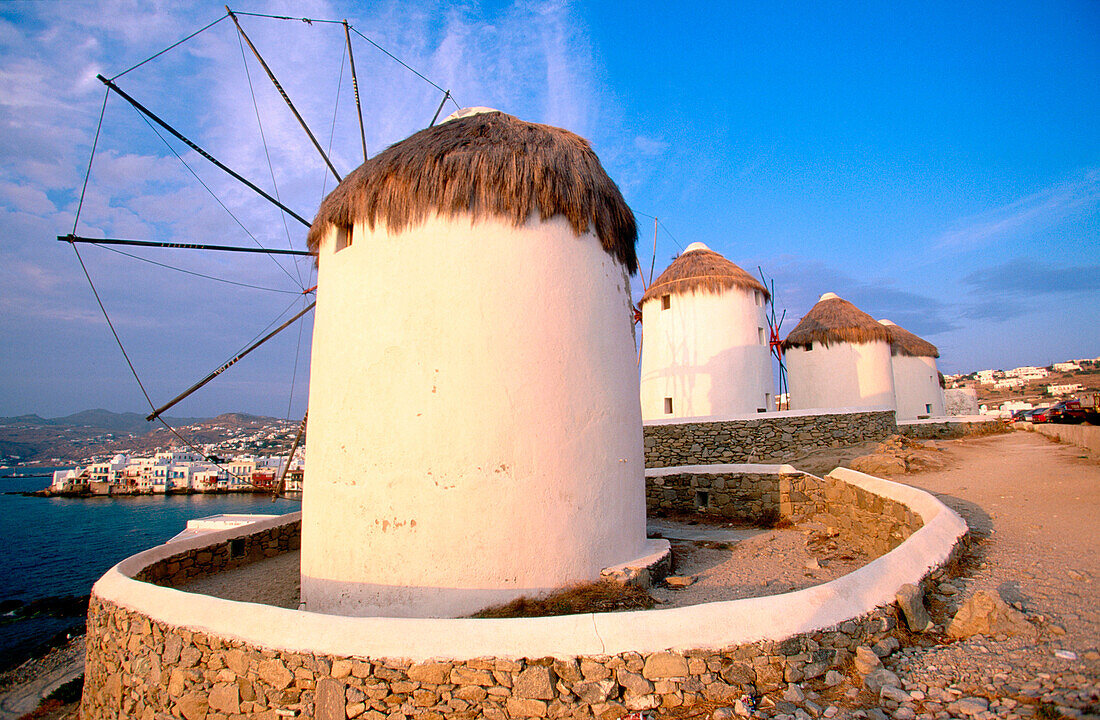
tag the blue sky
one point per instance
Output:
(936, 164)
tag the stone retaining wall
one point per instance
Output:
(138, 669)
(876, 523)
(154, 652)
(1084, 436)
(194, 563)
(773, 437)
(951, 429)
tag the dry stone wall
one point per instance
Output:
(951, 429)
(876, 523)
(138, 668)
(771, 438)
(200, 562)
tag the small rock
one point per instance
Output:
(891, 692)
(722, 713)
(741, 709)
(833, 678)
(535, 683)
(910, 599)
(813, 564)
(1065, 654)
(794, 694)
(880, 678)
(831, 711)
(968, 706)
(884, 647)
(679, 581)
(866, 660)
(665, 665)
(905, 713)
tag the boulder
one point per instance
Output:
(986, 614)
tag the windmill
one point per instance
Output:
(163, 129)
(775, 343)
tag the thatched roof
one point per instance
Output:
(903, 342)
(833, 320)
(487, 164)
(700, 269)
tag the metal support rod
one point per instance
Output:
(156, 413)
(293, 448)
(446, 96)
(183, 246)
(282, 92)
(355, 86)
(152, 116)
(653, 259)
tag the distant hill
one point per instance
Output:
(100, 419)
(32, 438)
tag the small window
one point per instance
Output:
(668, 406)
(702, 499)
(666, 302)
(758, 298)
(768, 400)
(343, 238)
(809, 347)
(236, 548)
(928, 408)
(760, 334)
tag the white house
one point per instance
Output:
(838, 357)
(475, 433)
(704, 340)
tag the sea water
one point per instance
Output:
(61, 546)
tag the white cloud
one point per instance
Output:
(1033, 211)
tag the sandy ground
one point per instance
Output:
(274, 581)
(1034, 505)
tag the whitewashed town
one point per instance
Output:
(179, 471)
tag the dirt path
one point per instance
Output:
(1034, 509)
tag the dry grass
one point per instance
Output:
(489, 164)
(903, 342)
(835, 321)
(583, 598)
(701, 271)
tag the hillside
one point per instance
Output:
(97, 433)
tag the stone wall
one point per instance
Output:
(194, 563)
(1085, 436)
(777, 437)
(876, 523)
(951, 429)
(138, 668)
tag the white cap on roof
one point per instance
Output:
(829, 296)
(887, 322)
(696, 246)
(467, 112)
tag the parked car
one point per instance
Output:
(1038, 415)
(1067, 411)
(1018, 416)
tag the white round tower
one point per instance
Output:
(916, 378)
(838, 357)
(474, 432)
(704, 340)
